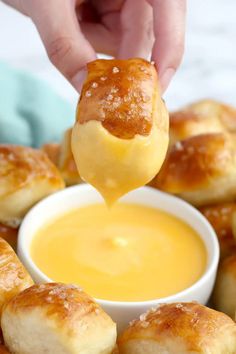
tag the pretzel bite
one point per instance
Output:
(26, 176)
(52, 151)
(57, 318)
(3, 350)
(61, 155)
(220, 217)
(180, 328)
(224, 294)
(9, 234)
(66, 162)
(205, 116)
(120, 139)
(13, 276)
(201, 169)
(234, 224)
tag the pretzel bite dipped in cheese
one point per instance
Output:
(26, 176)
(205, 116)
(56, 319)
(180, 328)
(201, 169)
(13, 276)
(224, 294)
(120, 139)
(221, 217)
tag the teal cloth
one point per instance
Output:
(31, 113)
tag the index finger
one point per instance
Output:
(169, 31)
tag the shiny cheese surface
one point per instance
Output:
(129, 253)
(116, 166)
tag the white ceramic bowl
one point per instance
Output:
(123, 312)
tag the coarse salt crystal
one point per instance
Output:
(88, 94)
(109, 97)
(115, 70)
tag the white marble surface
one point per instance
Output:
(208, 68)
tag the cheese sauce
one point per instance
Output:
(116, 166)
(129, 253)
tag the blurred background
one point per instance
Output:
(208, 69)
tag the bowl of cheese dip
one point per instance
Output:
(148, 248)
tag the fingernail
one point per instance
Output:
(78, 79)
(165, 78)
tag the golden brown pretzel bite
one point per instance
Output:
(221, 218)
(201, 169)
(205, 116)
(185, 328)
(121, 135)
(26, 176)
(53, 152)
(57, 318)
(224, 294)
(13, 276)
(66, 162)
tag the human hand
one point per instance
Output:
(74, 30)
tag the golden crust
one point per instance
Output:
(120, 94)
(3, 350)
(205, 116)
(234, 224)
(26, 176)
(9, 234)
(61, 300)
(200, 169)
(13, 276)
(67, 321)
(224, 294)
(220, 217)
(180, 328)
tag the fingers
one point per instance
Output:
(169, 30)
(137, 30)
(101, 38)
(65, 44)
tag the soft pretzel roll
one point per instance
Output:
(200, 169)
(26, 176)
(224, 294)
(225, 113)
(66, 162)
(205, 116)
(120, 138)
(53, 152)
(13, 276)
(180, 328)
(9, 234)
(61, 155)
(57, 318)
(220, 217)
